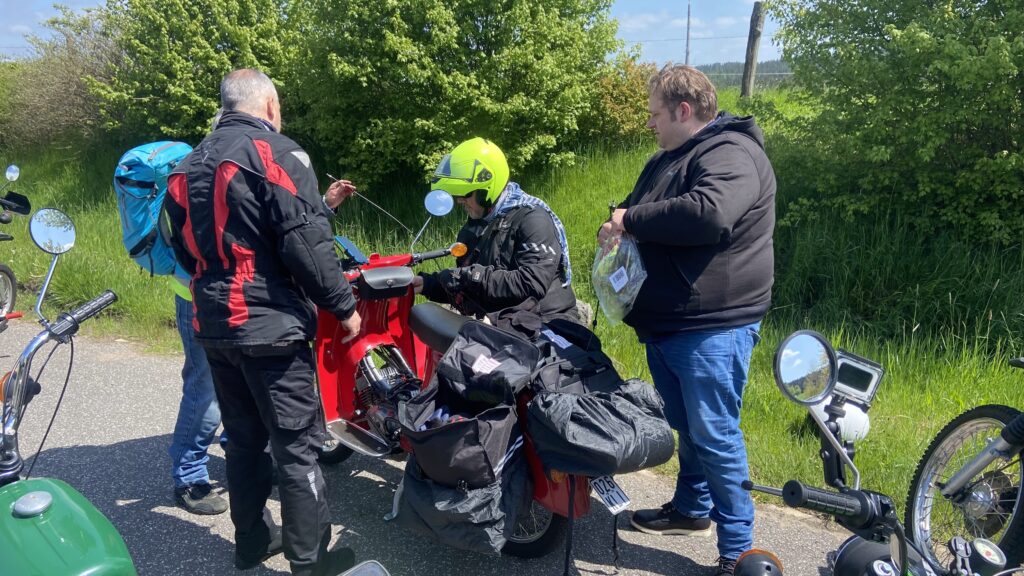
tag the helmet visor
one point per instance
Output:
(465, 170)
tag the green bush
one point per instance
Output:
(174, 55)
(924, 104)
(620, 109)
(385, 88)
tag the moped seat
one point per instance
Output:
(435, 326)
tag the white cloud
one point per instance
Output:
(789, 352)
(725, 22)
(681, 23)
(638, 22)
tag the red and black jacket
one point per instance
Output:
(248, 223)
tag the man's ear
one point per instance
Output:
(271, 110)
(684, 111)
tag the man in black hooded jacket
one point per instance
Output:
(702, 212)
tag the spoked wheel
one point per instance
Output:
(989, 506)
(538, 531)
(8, 293)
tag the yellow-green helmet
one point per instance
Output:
(476, 164)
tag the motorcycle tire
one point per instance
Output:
(994, 510)
(537, 533)
(334, 452)
(8, 291)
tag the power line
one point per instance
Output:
(683, 39)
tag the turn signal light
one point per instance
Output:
(459, 249)
(3, 385)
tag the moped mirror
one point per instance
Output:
(12, 173)
(52, 230)
(439, 202)
(805, 367)
(54, 233)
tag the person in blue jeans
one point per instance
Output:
(198, 418)
(703, 214)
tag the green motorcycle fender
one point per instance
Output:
(68, 536)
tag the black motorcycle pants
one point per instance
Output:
(267, 393)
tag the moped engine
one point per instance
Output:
(384, 380)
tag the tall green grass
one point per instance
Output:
(941, 316)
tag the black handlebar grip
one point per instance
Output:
(67, 323)
(439, 253)
(797, 495)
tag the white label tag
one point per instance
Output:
(619, 279)
(556, 339)
(611, 495)
(485, 364)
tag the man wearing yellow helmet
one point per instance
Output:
(518, 253)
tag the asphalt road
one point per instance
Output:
(110, 440)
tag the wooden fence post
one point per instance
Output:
(753, 40)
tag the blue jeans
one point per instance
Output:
(701, 376)
(198, 414)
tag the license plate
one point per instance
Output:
(611, 495)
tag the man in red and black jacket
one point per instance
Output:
(251, 228)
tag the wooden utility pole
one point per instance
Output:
(687, 33)
(750, 67)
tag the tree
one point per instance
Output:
(174, 54)
(387, 87)
(45, 98)
(923, 106)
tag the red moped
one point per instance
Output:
(392, 358)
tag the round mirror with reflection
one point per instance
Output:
(439, 202)
(13, 172)
(805, 367)
(52, 230)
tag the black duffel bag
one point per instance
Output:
(474, 387)
(477, 519)
(471, 448)
(572, 360)
(601, 433)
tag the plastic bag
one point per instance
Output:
(617, 276)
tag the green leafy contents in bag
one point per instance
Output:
(617, 276)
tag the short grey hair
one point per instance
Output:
(242, 89)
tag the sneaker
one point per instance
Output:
(726, 566)
(200, 499)
(669, 521)
(274, 547)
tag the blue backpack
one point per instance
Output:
(140, 183)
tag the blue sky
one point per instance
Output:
(718, 28)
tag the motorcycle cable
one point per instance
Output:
(60, 399)
(375, 205)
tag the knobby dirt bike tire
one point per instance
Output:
(930, 516)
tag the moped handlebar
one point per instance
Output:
(853, 504)
(67, 324)
(433, 254)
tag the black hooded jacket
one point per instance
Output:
(513, 261)
(250, 226)
(703, 215)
